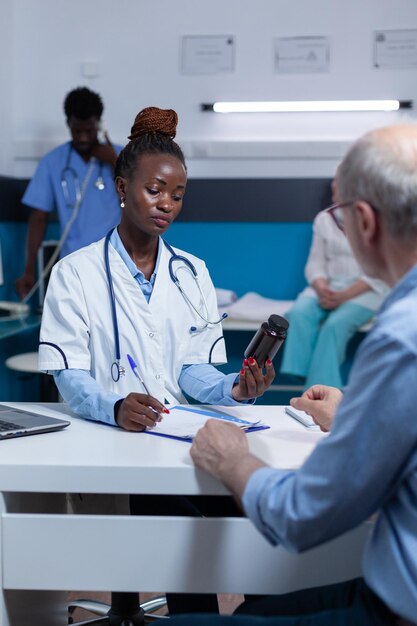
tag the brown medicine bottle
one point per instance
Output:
(267, 340)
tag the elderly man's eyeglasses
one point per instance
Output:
(336, 212)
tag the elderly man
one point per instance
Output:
(368, 463)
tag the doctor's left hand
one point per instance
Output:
(139, 411)
(252, 383)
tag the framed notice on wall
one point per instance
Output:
(395, 49)
(210, 54)
(301, 55)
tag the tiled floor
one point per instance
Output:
(227, 602)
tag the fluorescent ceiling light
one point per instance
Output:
(306, 106)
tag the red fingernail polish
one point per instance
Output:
(245, 361)
(268, 362)
(242, 372)
(252, 361)
(165, 410)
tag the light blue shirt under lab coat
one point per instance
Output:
(367, 464)
(99, 210)
(203, 382)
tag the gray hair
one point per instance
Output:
(381, 168)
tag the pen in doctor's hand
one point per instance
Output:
(139, 411)
(136, 372)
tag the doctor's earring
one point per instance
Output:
(122, 203)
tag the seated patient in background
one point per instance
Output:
(337, 302)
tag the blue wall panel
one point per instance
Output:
(268, 258)
(15, 386)
(265, 257)
(13, 252)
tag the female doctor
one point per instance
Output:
(133, 294)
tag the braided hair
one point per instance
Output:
(153, 132)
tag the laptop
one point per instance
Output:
(18, 423)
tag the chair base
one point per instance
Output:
(125, 610)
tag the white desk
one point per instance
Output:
(42, 548)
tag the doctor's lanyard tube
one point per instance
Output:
(74, 214)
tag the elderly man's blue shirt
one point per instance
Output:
(367, 464)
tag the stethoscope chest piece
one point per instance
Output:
(100, 183)
(69, 174)
(117, 371)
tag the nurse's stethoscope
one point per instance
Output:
(69, 174)
(116, 369)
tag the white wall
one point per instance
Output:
(136, 44)
(6, 88)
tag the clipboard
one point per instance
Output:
(184, 421)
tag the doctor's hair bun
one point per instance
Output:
(153, 132)
(152, 120)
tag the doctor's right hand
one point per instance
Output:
(139, 411)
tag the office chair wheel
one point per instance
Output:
(124, 610)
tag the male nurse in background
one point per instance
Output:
(79, 172)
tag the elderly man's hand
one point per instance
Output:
(218, 444)
(221, 449)
(321, 403)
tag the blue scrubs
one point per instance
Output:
(99, 210)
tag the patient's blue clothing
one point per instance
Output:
(367, 464)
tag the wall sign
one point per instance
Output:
(207, 54)
(395, 49)
(301, 55)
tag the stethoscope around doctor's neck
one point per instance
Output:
(69, 173)
(116, 369)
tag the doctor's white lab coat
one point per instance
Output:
(77, 328)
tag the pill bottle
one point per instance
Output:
(267, 340)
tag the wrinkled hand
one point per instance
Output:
(252, 383)
(321, 403)
(221, 449)
(218, 445)
(105, 152)
(139, 411)
(24, 284)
